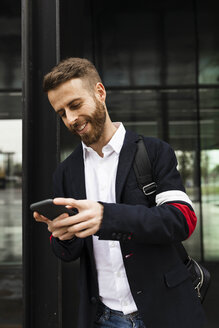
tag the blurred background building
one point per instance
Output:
(159, 62)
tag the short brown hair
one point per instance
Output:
(71, 68)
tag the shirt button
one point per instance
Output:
(112, 244)
(118, 274)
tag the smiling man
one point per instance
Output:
(83, 111)
(131, 274)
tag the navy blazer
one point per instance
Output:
(158, 279)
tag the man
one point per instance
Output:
(131, 274)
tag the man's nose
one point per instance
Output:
(71, 116)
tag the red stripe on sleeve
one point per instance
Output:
(190, 216)
(50, 238)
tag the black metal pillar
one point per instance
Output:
(41, 269)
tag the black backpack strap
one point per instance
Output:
(143, 172)
(142, 168)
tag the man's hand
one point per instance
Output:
(86, 223)
(61, 233)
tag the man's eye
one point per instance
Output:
(62, 114)
(75, 106)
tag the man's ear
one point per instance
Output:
(100, 92)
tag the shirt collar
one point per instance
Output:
(115, 142)
(117, 139)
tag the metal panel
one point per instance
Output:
(41, 269)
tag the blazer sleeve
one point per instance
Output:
(66, 250)
(171, 220)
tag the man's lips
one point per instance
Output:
(80, 129)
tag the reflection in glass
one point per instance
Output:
(146, 47)
(10, 222)
(208, 25)
(10, 105)
(10, 60)
(10, 191)
(210, 201)
(10, 165)
(209, 103)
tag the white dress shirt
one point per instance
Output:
(100, 178)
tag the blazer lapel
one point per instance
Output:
(77, 179)
(78, 185)
(126, 158)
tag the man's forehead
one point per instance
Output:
(76, 85)
(68, 91)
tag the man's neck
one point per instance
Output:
(109, 131)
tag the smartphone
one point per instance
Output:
(50, 210)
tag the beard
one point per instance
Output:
(97, 121)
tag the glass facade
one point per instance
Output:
(209, 104)
(160, 65)
(10, 165)
(209, 118)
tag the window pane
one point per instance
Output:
(10, 45)
(145, 45)
(208, 29)
(182, 116)
(209, 101)
(136, 109)
(10, 165)
(10, 221)
(10, 105)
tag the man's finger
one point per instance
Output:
(59, 232)
(64, 201)
(72, 220)
(60, 218)
(85, 233)
(82, 226)
(40, 218)
(79, 204)
(66, 236)
(90, 225)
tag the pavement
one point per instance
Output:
(11, 296)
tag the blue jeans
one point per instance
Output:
(107, 318)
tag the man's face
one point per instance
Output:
(81, 110)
